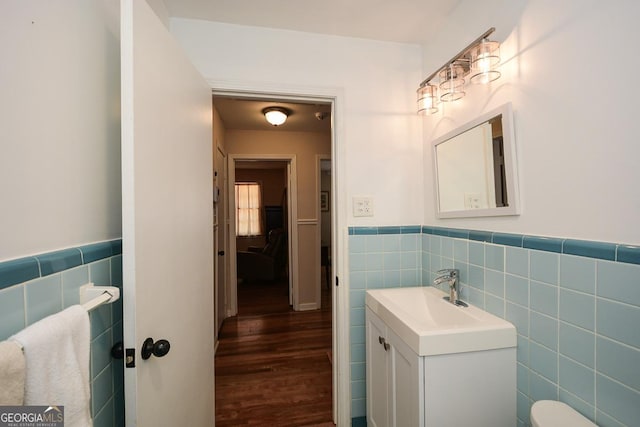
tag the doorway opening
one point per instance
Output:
(265, 258)
(298, 159)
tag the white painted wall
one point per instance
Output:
(568, 71)
(160, 9)
(59, 124)
(383, 149)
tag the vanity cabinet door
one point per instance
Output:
(407, 384)
(377, 372)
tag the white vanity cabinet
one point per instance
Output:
(394, 372)
(404, 389)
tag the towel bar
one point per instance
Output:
(94, 296)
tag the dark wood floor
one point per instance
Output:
(273, 365)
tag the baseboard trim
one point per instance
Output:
(308, 306)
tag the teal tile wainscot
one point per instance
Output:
(572, 302)
(34, 287)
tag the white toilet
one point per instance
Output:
(550, 413)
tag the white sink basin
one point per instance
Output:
(432, 326)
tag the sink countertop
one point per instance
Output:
(432, 326)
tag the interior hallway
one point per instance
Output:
(273, 365)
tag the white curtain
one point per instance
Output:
(248, 209)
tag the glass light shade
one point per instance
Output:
(275, 116)
(484, 58)
(427, 99)
(451, 82)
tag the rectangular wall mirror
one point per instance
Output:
(475, 168)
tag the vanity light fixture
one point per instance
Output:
(477, 61)
(276, 115)
(485, 56)
(427, 99)
(452, 81)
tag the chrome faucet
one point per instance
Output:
(449, 275)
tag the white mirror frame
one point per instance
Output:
(510, 159)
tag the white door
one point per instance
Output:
(407, 389)
(167, 226)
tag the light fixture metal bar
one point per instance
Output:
(459, 55)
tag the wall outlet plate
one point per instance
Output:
(362, 206)
(472, 200)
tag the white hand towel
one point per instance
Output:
(56, 350)
(12, 371)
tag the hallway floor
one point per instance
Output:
(273, 365)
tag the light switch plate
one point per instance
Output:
(362, 206)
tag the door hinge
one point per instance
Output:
(337, 281)
(130, 358)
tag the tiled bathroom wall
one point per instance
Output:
(379, 257)
(575, 304)
(32, 288)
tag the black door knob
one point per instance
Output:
(117, 351)
(158, 348)
(221, 253)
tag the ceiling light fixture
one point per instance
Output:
(478, 60)
(276, 115)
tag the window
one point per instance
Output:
(248, 208)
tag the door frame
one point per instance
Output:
(339, 228)
(292, 229)
(319, 159)
(220, 231)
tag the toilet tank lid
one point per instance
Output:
(550, 413)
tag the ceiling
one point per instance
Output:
(400, 21)
(246, 114)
